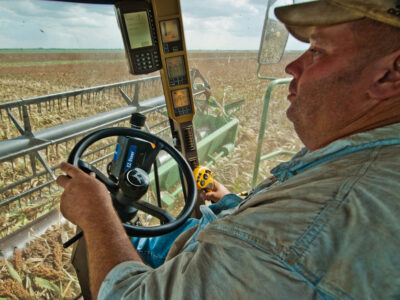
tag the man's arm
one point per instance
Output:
(220, 267)
(87, 203)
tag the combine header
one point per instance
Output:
(27, 203)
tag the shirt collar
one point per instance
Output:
(304, 159)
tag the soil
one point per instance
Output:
(30, 57)
(20, 57)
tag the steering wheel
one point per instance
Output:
(122, 198)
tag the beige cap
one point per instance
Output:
(300, 18)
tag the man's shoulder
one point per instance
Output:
(329, 222)
(323, 192)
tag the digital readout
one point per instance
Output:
(180, 98)
(176, 67)
(170, 31)
(138, 29)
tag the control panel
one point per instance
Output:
(154, 39)
(171, 36)
(138, 28)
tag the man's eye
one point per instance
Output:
(314, 51)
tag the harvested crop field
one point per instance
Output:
(42, 270)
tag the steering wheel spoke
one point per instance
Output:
(88, 168)
(153, 210)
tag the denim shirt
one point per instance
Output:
(327, 228)
(153, 251)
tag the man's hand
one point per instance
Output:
(84, 198)
(218, 192)
(86, 202)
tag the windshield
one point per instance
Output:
(63, 73)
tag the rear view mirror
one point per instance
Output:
(274, 35)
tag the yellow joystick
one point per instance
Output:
(204, 178)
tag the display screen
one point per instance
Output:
(180, 98)
(138, 29)
(176, 67)
(170, 31)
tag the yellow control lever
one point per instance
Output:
(204, 178)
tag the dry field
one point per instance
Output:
(42, 270)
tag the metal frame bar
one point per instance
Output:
(12, 148)
(263, 77)
(30, 143)
(79, 92)
(263, 125)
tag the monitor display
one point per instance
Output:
(170, 31)
(180, 98)
(176, 67)
(138, 29)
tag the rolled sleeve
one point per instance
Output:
(122, 278)
(211, 272)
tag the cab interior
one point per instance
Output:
(207, 76)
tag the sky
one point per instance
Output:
(208, 24)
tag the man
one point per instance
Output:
(327, 226)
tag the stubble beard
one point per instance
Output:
(319, 108)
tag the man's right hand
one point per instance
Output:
(218, 192)
(87, 203)
(85, 198)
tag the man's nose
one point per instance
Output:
(294, 68)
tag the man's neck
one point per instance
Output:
(386, 113)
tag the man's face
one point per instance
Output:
(328, 90)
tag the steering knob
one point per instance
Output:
(134, 183)
(137, 120)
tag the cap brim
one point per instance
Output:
(300, 18)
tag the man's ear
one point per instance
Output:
(387, 80)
